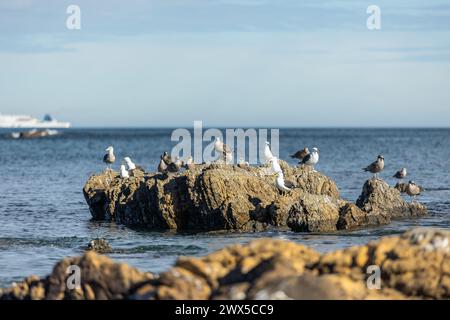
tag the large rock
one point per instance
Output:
(380, 200)
(210, 197)
(415, 265)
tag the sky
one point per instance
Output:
(228, 63)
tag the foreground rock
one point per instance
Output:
(413, 265)
(225, 197)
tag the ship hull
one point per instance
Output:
(37, 125)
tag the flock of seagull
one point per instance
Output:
(306, 158)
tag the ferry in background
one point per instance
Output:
(20, 121)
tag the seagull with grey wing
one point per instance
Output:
(413, 190)
(109, 158)
(166, 158)
(175, 166)
(401, 174)
(376, 167)
(162, 166)
(282, 184)
(189, 163)
(223, 150)
(243, 164)
(311, 159)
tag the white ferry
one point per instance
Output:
(22, 121)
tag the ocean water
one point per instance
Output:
(43, 215)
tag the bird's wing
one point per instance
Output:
(371, 166)
(307, 158)
(297, 155)
(289, 184)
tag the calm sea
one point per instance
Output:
(43, 215)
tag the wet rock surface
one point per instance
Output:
(414, 265)
(378, 198)
(99, 245)
(224, 197)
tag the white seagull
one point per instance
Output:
(224, 150)
(267, 152)
(281, 184)
(276, 165)
(124, 172)
(130, 164)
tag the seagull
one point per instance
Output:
(401, 174)
(300, 154)
(282, 185)
(109, 157)
(311, 159)
(243, 164)
(276, 165)
(189, 163)
(224, 150)
(132, 167)
(166, 157)
(130, 164)
(124, 172)
(376, 167)
(162, 167)
(267, 153)
(175, 166)
(413, 190)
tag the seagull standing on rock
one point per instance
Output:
(189, 163)
(130, 164)
(124, 172)
(401, 174)
(282, 185)
(376, 167)
(109, 158)
(132, 167)
(243, 164)
(276, 168)
(267, 152)
(225, 151)
(162, 167)
(311, 159)
(175, 166)
(166, 158)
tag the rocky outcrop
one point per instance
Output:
(99, 245)
(380, 200)
(415, 265)
(209, 197)
(225, 197)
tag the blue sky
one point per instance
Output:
(231, 63)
